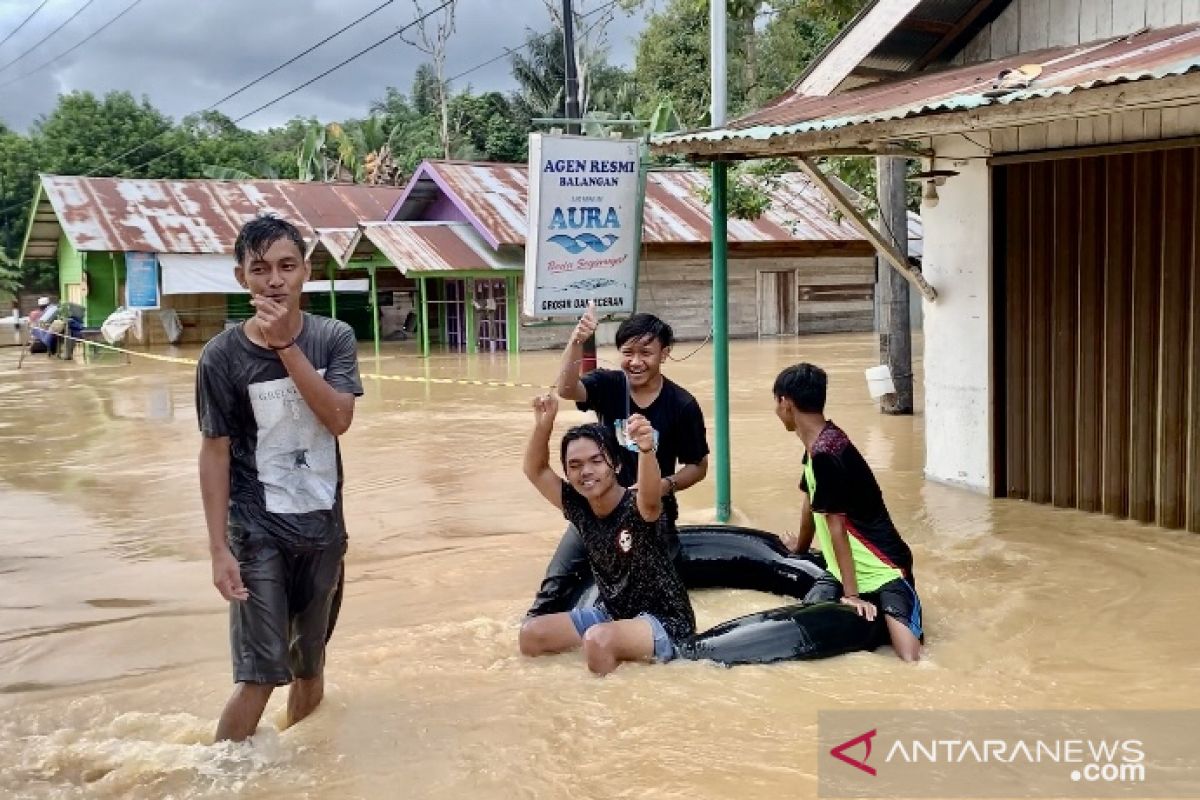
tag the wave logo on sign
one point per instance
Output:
(577, 244)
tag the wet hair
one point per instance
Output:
(805, 385)
(639, 326)
(604, 438)
(257, 236)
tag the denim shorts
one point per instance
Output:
(664, 648)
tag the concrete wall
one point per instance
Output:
(680, 291)
(957, 369)
(1028, 25)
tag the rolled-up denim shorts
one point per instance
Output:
(664, 648)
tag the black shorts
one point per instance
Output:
(279, 634)
(897, 598)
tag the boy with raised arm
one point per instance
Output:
(644, 611)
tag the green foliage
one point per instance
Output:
(672, 61)
(9, 279)
(18, 184)
(540, 72)
(770, 44)
(748, 192)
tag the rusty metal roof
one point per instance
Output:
(188, 216)
(492, 197)
(329, 243)
(891, 37)
(1150, 55)
(433, 247)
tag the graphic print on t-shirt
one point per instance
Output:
(296, 455)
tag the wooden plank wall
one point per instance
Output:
(680, 291)
(1100, 391)
(1028, 25)
(202, 317)
(1115, 128)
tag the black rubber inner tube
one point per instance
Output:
(732, 557)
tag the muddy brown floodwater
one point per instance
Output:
(113, 643)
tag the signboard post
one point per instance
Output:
(585, 225)
(141, 281)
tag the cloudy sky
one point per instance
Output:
(186, 54)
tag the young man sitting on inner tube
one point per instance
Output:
(639, 387)
(644, 612)
(869, 564)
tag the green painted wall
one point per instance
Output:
(353, 308)
(70, 265)
(103, 286)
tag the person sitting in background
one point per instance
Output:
(38, 312)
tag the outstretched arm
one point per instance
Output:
(537, 453)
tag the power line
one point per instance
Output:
(354, 57)
(359, 54)
(68, 52)
(311, 81)
(242, 88)
(302, 54)
(510, 51)
(43, 40)
(25, 21)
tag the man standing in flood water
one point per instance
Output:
(281, 384)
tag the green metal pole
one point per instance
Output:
(720, 272)
(332, 290)
(513, 322)
(424, 292)
(116, 283)
(374, 309)
(469, 307)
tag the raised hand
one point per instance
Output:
(271, 317)
(640, 431)
(545, 408)
(586, 326)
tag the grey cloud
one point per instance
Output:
(186, 54)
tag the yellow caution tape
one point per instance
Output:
(369, 375)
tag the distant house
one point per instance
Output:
(87, 225)
(1063, 348)
(459, 231)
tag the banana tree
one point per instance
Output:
(311, 164)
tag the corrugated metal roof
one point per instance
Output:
(434, 247)
(1148, 56)
(896, 36)
(331, 242)
(195, 216)
(493, 197)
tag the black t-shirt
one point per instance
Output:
(632, 563)
(675, 415)
(846, 485)
(285, 466)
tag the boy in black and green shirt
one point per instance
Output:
(870, 565)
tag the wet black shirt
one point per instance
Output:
(632, 564)
(675, 415)
(846, 485)
(285, 466)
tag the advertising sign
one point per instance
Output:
(141, 281)
(585, 226)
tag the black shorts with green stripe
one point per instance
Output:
(896, 598)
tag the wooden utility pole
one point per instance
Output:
(895, 322)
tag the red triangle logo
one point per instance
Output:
(839, 752)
